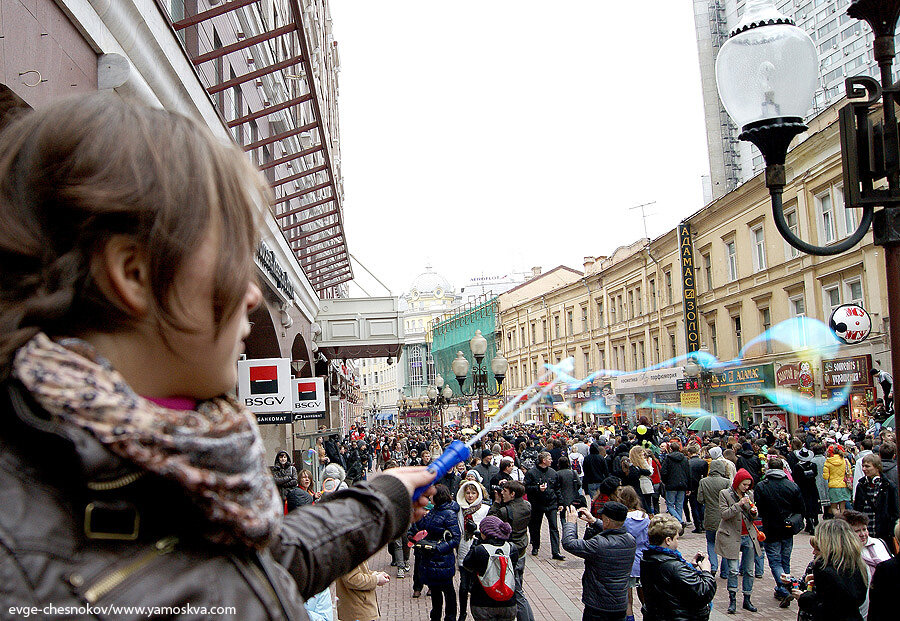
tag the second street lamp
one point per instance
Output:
(460, 367)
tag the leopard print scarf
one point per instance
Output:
(214, 452)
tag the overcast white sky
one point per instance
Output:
(497, 135)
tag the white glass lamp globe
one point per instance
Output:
(432, 393)
(448, 392)
(478, 344)
(767, 69)
(499, 365)
(460, 365)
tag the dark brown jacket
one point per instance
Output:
(50, 474)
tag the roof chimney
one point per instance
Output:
(588, 262)
(535, 272)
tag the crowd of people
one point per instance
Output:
(635, 489)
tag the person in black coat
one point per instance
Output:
(882, 592)
(676, 476)
(674, 590)
(595, 468)
(748, 459)
(542, 487)
(805, 473)
(569, 487)
(699, 468)
(494, 533)
(437, 564)
(777, 498)
(876, 496)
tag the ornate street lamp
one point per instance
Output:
(460, 367)
(439, 399)
(766, 74)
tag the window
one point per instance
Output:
(634, 357)
(798, 306)
(850, 215)
(631, 314)
(587, 361)
(640, 305)
(612, 311)
(509, 341)
(656, 359)
(672, 347)
(544, 330)
(652, 295)
(831, 297)
(416, 376)
(533, 333)
(707, 271)
(731, 255)
(643, 354)
(620, 307)
(765, 318)
(758, 241)
(713, 340)
(825, 207)
(584, 319)
(556, 326)
(601, 320)
(570, 323)
(738, 336)
(668, 275)
(601, 358)
(790, 216)
(522, 336)
(853, 292)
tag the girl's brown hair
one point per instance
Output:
(85, 169)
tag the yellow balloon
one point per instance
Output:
(641, 429)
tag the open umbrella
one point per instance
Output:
(712, 423)
(889, 422)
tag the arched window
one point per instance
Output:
(416, 376)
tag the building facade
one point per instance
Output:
(624, 317)
(844, 46)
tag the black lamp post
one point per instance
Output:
(439, 397)
(766, 74)
(460, 366)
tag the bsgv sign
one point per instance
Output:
(264, 385)
(309, 398)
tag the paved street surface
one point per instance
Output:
(554, 587)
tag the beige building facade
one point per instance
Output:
(624, 315)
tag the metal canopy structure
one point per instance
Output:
(296, 157)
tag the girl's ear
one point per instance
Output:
(122, 273)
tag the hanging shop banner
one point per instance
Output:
(689, 288)
(648, 381)
(309, 398)
(838, 372)
(734, 380)
(690, 399)
(787, 375)
(264, 384)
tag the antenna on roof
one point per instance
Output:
(644, 215)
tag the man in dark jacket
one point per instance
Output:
(676, 476)
(516, 511)
(485, 468)
(748, 459)
(542, 487)
(674, 590)
(805, 474)
(608, 559)
(699, 468)
(777, 498)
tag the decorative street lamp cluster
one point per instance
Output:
(460, 367)
(439, 397)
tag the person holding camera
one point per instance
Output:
(437, 561)
(516, 511)
(569, 487)
(674, 589)
(542, 486)
(608, 558)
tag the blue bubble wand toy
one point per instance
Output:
(457, 451)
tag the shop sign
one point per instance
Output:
(264, 384)
(273, 419)
(270, 265)
(733, 380)
(648, 381)
(690, 399)
(309, 398)
(689, 295)
(841, 371)
(667, 396)
(787, 375)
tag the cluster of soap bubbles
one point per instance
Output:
(805, 337)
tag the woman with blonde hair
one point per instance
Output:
(638, 457)
(839, 474)
(840, 580)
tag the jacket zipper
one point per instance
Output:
(122, 481)
(106, 584)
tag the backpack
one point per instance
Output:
(499, 579)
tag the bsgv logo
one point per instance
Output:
(306, 396)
